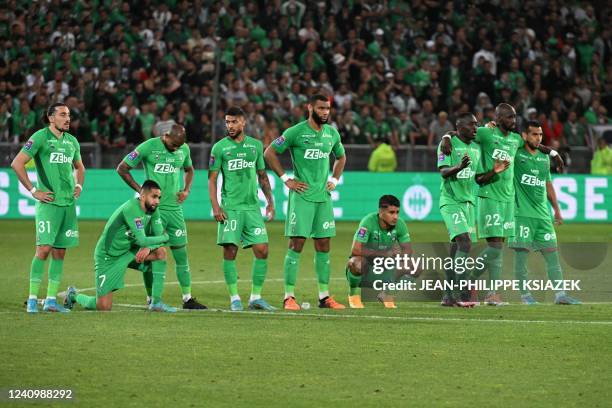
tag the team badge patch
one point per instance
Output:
(279, 140)
(211, 161)
(133, 155)
(441, 157)
(28, 145)
(362, 232)
(139, 223)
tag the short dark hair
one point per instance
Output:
(234, 111)
(464, 118)
(149, 185)
(388, 200)
(318, 97)
(531, 123)
(51, 110)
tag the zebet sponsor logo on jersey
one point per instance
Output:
(239, 164)
(59, 158)
(466, 173)
(165, 168)
(315, 154)
(530, 180)
(501, 155)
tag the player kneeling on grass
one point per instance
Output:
(133, 238)
(380, 234)
(534, 226)
(459, 172)
(239, 158)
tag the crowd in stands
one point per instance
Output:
(398, 71)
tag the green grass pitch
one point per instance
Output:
(417, 355)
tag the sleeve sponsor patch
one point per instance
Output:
(133, 155)
(139, 223)
(279, 141)
(211, 161)
(28, 145)
(441, 157)
(362, 232)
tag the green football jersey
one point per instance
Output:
(130, 227)
(531, 173)
(370, 232)
(238, 163)
(163, 167)
(460, 188)
(54, 158)
(496, 146)
(310, 154)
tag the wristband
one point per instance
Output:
(334, 181)
(32, 190)
(447, 136)
(553, 153)
(79, 186)
(284, 178)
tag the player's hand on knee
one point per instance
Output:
(142, 254)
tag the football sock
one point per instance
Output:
(88, 302)
(183, 275)
(36, 272)
(56, 269)
(354, 283)
(147, 277)
(553, 266)
(258, 274)
(520, 269)
(290, 270)
(493, 261)
(159, 275)
(322, 267)
(459, 258)
(231, 276)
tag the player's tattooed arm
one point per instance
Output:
(124, 171)
(212, 195)
(552, 198)
(264, 183)
(182, 195)
(448, 171)
(490, 176)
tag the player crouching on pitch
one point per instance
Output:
(133, 238)
(380, 234)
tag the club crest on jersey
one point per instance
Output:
(133, 155)
(279, 141)
(441, 157)
(362, 232)
(139, 223)
(28, 145)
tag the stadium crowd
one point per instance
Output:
(397, 71)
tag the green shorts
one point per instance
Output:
(459, 219)
(56, 226)
(173, 222)
(309, 219)
(244, 227)
(495, 218)
(533, 234)
(110, 270)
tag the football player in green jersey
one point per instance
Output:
(310, 212)
(133, 237)
(495, 202)
(534, 226)
(239, 158)
(163, 158)
(56, 154)
(380, 234)
(459, 171)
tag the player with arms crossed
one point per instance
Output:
(459, 171)
(496, 200)
(163, 158)
(56, 154)
(133, 237)
(380, 234)
(310, 211)
(240, 160)
(534, 225)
